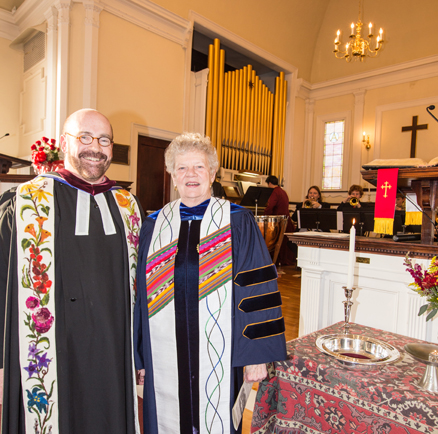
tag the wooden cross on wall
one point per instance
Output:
(414, 127)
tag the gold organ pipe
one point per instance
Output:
(257, 123)
(247, 117)
(239, 119)
(259, 118)
(244, 73)
(209, 91)
(236, 108)
(262, 129)
(213, 136)
(230, 135)
(251, 120)
(280, 120)
(226, 121)
(271, 120)
(283, 127)
(220, 104)
(253, 127)
(274, 127)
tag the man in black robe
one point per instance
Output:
(94, 368)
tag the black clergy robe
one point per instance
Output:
(93, 332)
(249, 254)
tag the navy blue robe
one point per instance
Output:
(257, 280)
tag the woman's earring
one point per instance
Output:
(175, 188)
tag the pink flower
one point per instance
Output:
(135, 219)
(32, 303)
(43, 320)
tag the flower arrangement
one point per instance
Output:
(45, 155)
(426, 284)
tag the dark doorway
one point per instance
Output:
(153, 182)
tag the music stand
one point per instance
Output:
(367, 218)
(348, 217)
(328, 219)
(262, 194)
(308, 218)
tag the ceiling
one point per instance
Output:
(10, 4)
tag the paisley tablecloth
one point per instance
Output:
(311, 393)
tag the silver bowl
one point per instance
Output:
(356, 351)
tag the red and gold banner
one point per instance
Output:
(386, 193)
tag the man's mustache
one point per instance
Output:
(98, 155)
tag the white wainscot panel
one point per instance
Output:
(371, 306)
(382, 299)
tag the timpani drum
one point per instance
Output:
(270, 226)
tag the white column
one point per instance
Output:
(63, 7)
(356, 149)
(91, 40)
(51, 16)
(308, 144)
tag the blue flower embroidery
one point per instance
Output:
(37, 398)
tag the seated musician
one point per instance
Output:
(352, 201)
(278, 204)
(400, 202)
(313, 200)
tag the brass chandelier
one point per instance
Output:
(358, 47)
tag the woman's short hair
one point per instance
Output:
(271, 179)
(357, 188)
(315, 187)
(191, 142)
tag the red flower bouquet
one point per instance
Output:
(45, 156)
(426, 284)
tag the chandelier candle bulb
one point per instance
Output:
(381, 35)
(351, 256)
(370, 31)
(352, 29)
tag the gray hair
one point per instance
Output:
(191, 142)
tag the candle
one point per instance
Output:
(351, 256)
(370, 29)
(352, 29)
(381, 35)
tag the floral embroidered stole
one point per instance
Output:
(35, 221)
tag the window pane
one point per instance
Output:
(333, 155)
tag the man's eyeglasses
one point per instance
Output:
(86, 139)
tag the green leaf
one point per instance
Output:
(24, 208)
(25, 244)
(44, 339)
(45, 209)
(45, 300)
(431, 314)
(46, 249)
(51, 389)
(422, 309)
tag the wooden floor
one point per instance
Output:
(290, 288)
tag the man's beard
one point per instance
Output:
(90, 171)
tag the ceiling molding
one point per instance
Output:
(149, 16)
(397, 74)
(142, 13)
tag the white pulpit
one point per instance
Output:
(382, 299)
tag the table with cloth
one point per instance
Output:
(311, 392)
